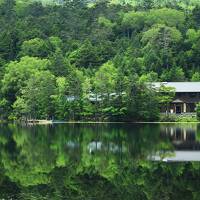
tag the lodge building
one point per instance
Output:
(187, 95)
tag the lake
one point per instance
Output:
(100, 161)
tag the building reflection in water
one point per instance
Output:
(185, 141)
(181, 143)
(182, 137)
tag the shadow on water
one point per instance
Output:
(100, 161)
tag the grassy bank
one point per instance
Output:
(178, 118)
(172, 118)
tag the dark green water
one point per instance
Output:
(100, 161)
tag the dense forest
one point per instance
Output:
(82, 60)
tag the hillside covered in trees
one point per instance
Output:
(80, 60)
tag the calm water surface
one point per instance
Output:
(100, 161)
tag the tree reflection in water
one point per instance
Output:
(96, 162)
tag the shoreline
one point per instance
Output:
(50, 122)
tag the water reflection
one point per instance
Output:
(180, 134)
(184, 138)
(63, 155)
(64, 142)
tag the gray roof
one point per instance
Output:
(180, 86)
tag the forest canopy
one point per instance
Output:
(91, 59)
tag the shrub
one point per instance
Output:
(198, 110)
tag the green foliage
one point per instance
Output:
(134, 20)
(189, 118)
(178, 118)
(146, 4)
(174, 74)
(92, 49)
(152, 35)
(198, 110)
(165, 16)
(166, 95)
(169, 17)
(143, 102)
(59, 66)
(105, 22)
(36, 99)
(17, 73)
(85, 56)
(68, 95)
(160, 42)
(196, 76)
(105, 79)
(34, 48)
(168, 118)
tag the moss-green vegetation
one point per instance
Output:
(178, 118)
